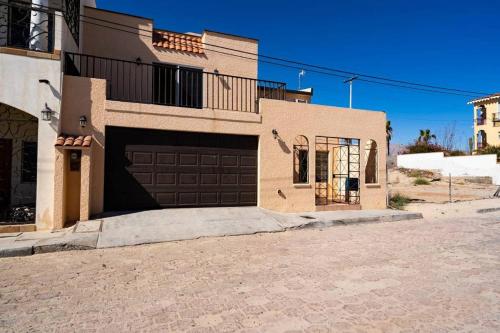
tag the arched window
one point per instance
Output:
(481, 139)
(301, 160)
(371, 157)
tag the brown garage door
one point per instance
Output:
(147, 169)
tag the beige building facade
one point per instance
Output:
(153, 119)
(486, 121)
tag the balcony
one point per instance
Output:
(173, 85)
(480, 121)
(24, 26)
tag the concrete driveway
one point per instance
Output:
(164, 225)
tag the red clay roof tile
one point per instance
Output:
(177, 41)
(73, 141)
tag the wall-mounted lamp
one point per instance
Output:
(83, 121)
(216, 71)
(46, 113)
(138, 60)
(275, 133)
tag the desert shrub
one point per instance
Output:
(490, 150)
(421, 181)
(455, 153)
(414, 173)
(398, 201)
(419, 148)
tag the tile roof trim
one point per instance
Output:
(73, 141)
(484, 98)
(181, 42)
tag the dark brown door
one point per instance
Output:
(5, 172)
(148, 169)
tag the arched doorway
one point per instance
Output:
(18, 165)
(481, 139)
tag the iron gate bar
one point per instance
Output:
(346, 190)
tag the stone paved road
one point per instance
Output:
(428, 276)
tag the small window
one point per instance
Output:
(28, 163)
(371, 170)
(301, 160)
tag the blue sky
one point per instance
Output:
(446, 43)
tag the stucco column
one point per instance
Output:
(85, 174)
(59, 189)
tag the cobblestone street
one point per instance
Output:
(425, 275)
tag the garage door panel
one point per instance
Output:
(165, 179)
(173, 172)
(229, 179)
(166, 198)
(165, 158)
(209, 160)
(188, 179)
(248, 179)
(229, 198)
(188, 198)
(144, 178)
(142, 158)
(188, 159)
(229, 161)
(209, 179)
(248, 197)
(209, 198)
(248, 161)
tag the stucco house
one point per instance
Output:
(151, 118)
(486, 121)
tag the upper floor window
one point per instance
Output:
(177, 86)
(371, 169)
(301, 160)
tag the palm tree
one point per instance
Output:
(388, 135)
(426, 136)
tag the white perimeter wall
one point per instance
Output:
(477, 165)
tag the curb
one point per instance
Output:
(488, 210)
(89, 240)
(358, 220)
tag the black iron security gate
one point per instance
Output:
(337, 170)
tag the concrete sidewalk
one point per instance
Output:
(181, 224)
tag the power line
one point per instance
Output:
(346, 73)
(296, 64)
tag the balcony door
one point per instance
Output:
(177, 86)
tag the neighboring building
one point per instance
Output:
(33, 34)
(156, 119)
(486, 121)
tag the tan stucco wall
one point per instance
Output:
(84, 96)
(137, 43)
(492, 132)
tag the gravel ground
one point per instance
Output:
(439, 274)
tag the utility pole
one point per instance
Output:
(350, 89)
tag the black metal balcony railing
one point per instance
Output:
(480, 121)
(27, 27)
(173, 85)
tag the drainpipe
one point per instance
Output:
(39, 27)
